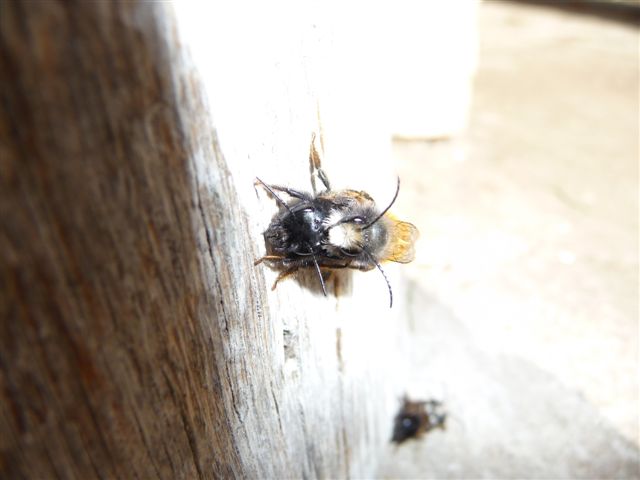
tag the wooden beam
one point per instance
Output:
(138, 340)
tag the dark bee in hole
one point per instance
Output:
(332, 230)
(417, 418)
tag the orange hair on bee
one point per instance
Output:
(402, 237)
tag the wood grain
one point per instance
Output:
(137, 338)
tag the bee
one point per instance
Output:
(417, 418)
(332, 230)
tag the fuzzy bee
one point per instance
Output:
(416, 418)
(333, 230)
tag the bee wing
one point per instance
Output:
(403, 237)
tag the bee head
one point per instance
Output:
(360, 228)
(347, 234)
(353, 234)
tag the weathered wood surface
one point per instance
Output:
(137, 338)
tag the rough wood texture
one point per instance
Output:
(137, 339)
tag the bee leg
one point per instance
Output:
(316, 165)
(284, 274)
(337, 266)
(267, 258)
(289, 191)
(314, 156)
(323, 177)
(327, 272)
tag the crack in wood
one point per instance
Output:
(339, 350)
(186, 427)
(275, 402)
(143, 436)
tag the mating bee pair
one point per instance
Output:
(334, 230)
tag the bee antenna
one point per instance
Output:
(382, 272)
(315, 262)
(385, 210)
(275, 195)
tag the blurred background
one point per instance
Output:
(523, 301)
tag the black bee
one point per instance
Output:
(333, 230)
(417, 418)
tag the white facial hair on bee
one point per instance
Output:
(345, 236)
(342, 234)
